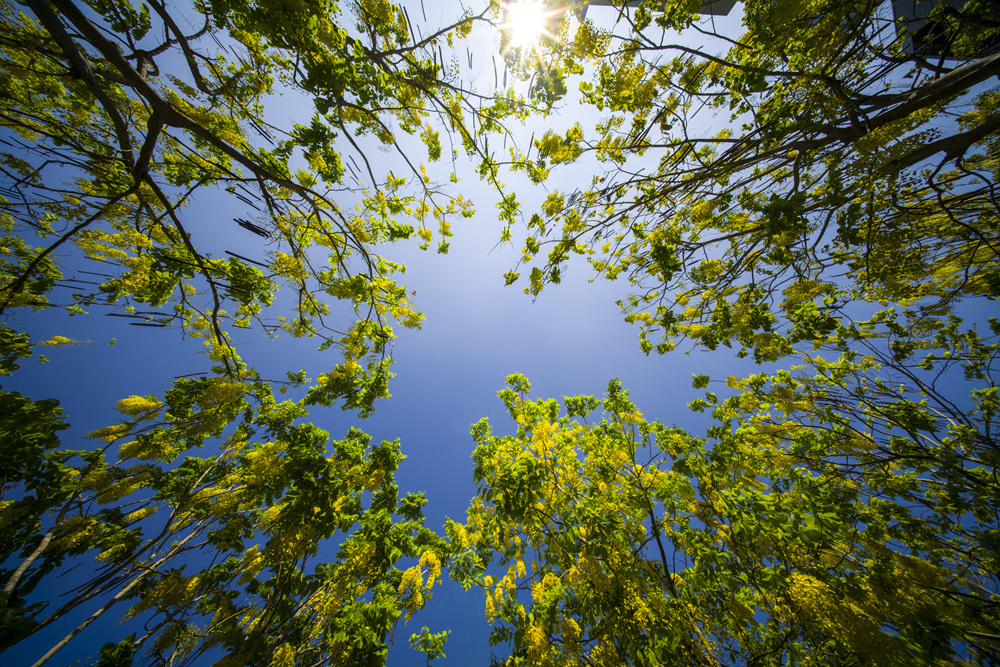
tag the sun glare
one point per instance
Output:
(525, 22)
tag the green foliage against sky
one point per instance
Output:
(118, 117)
(829, 516)
(811, 160)
(807, 190)
(258, 506)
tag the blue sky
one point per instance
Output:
(570, 340)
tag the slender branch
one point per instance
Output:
(15, 577)
(18, 284)
(116, 598)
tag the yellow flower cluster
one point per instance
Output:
(111, 553)
(476, 520)
(139, 515)
(290, 544)
(284, 656)
(640, 610)
(109, 433)
(138, 405)
(172, 590)
(218, 395)
(122, 488)
(537, 643)
(412, 580)
(843, 619)
(570, 631)
(270, 516)
(605, 653)
(263, 463)
(542, 441)
(252, 563)
(412, 586)
(98, 245)
(155, 445)
(630, 418)
(588, 566)
(491, 607)
(56, 341)
(411, 591)
(433, 563)
(458, 534)
(289, 267)
(72, 532)
(324, 605)
(356, 564)
(373, 481)
(220, 392)
(540, 588)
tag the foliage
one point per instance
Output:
(760, 192)
(212, 551)
(117, 116)
(843, 511)
(118, 120)
(748, 188)
(793, 534)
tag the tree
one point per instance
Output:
(751, 192)
(116, 117)
(211, 551)
(847, 514)
(767, 195)
(793, 534)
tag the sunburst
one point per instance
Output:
(527, 23)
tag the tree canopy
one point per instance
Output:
(817, 190)
(817, 160)
(831, 518)
(118, 116)
(214, 551)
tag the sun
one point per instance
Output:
(525, 22)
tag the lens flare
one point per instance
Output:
(525, 22)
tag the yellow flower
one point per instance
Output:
(430, 559)
(137, 405)
(57, 340)
(139, 515)
(284, 656)
(108, 433)
(537, 643)
(491, 608)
